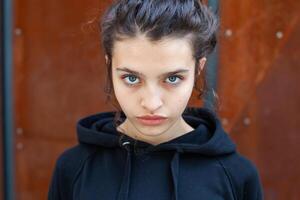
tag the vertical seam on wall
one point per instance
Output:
(212, 65)
(7, 112)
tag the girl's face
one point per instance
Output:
(153, 79)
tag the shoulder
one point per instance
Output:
(71, 158)
(67, 167)
(243, 175)
(239, 165)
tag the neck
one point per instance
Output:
(180, 127)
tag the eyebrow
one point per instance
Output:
(125, 69)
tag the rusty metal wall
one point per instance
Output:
(58, 78)
(258, 86)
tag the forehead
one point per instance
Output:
(141, 53)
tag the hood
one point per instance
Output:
(208, 138)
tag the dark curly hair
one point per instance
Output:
(158, 19)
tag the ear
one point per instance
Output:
(106, 58)
(202, 62)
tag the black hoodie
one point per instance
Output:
(109, 165)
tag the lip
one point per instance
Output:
(152, 117)
(151, 120)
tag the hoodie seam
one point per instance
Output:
(78, 171)
(228, 175)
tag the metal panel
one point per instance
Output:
(7, 102)
(1, 102)
(258, 87)
(212, 66)
(59, 78)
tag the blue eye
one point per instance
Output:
(174, 78)
(131, 79)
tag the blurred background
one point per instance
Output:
(53, 74)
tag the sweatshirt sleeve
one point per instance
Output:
(67, 166)
(253, 187)
(244, 177)
(54, 192)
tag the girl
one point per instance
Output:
(154, 147)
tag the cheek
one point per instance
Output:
(124, 95)
(119, 87)
(180, 97)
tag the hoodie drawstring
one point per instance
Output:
(175, 172)
(174, 164)
(124, 190)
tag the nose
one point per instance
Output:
(151, 100)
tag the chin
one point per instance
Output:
(151, 130)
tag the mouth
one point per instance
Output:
(151, 121)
